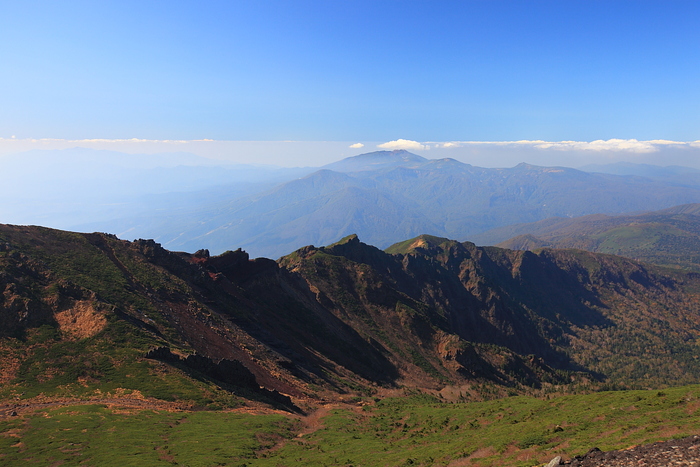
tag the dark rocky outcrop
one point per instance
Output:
(684, 451)
(229, 372)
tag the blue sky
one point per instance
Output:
(350, 70)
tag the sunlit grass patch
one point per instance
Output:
(411, 430)
(95, 435)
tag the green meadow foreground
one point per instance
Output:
(411, 430)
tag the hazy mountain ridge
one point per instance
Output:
(682, 175)
(462, 200)
(669, 237)
(408, 196)
(323, 321)
(73, 187)
(384, 197)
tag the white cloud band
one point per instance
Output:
(614, 145)
(404, 144)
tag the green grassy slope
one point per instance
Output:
(410, 430)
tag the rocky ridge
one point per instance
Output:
(429, 313)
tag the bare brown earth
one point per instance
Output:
(133, 401)
(81, 320)
(10, 364)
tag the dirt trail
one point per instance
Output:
(313, 422)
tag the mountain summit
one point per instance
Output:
(383, 196)
(377, 160)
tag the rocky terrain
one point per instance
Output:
(90, 317)
(676, 452)
(429, 313)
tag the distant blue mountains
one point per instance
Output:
(384, 197)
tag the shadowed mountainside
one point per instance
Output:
(80, 313)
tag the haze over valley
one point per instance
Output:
(187, 203)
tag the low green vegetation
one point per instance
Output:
(108, 363)
(511, 431)
(412, 430)
(95, 435)
(423, 241)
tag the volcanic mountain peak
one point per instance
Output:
(424, 241)
(377, 160)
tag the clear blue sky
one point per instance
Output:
(350, 70)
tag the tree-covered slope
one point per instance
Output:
(573, 310)
(670, 237)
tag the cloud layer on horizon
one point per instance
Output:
(627, 145)
(318, 153)
(614, 144)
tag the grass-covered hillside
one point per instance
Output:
(395, 431)
(670, 237)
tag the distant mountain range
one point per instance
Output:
(384, 197)
(672, 172)
(387, 196)
(71, 187)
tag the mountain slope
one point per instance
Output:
(389, 196)
(148, 298)
(84, 314)
(670, 237)
(572, 309)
